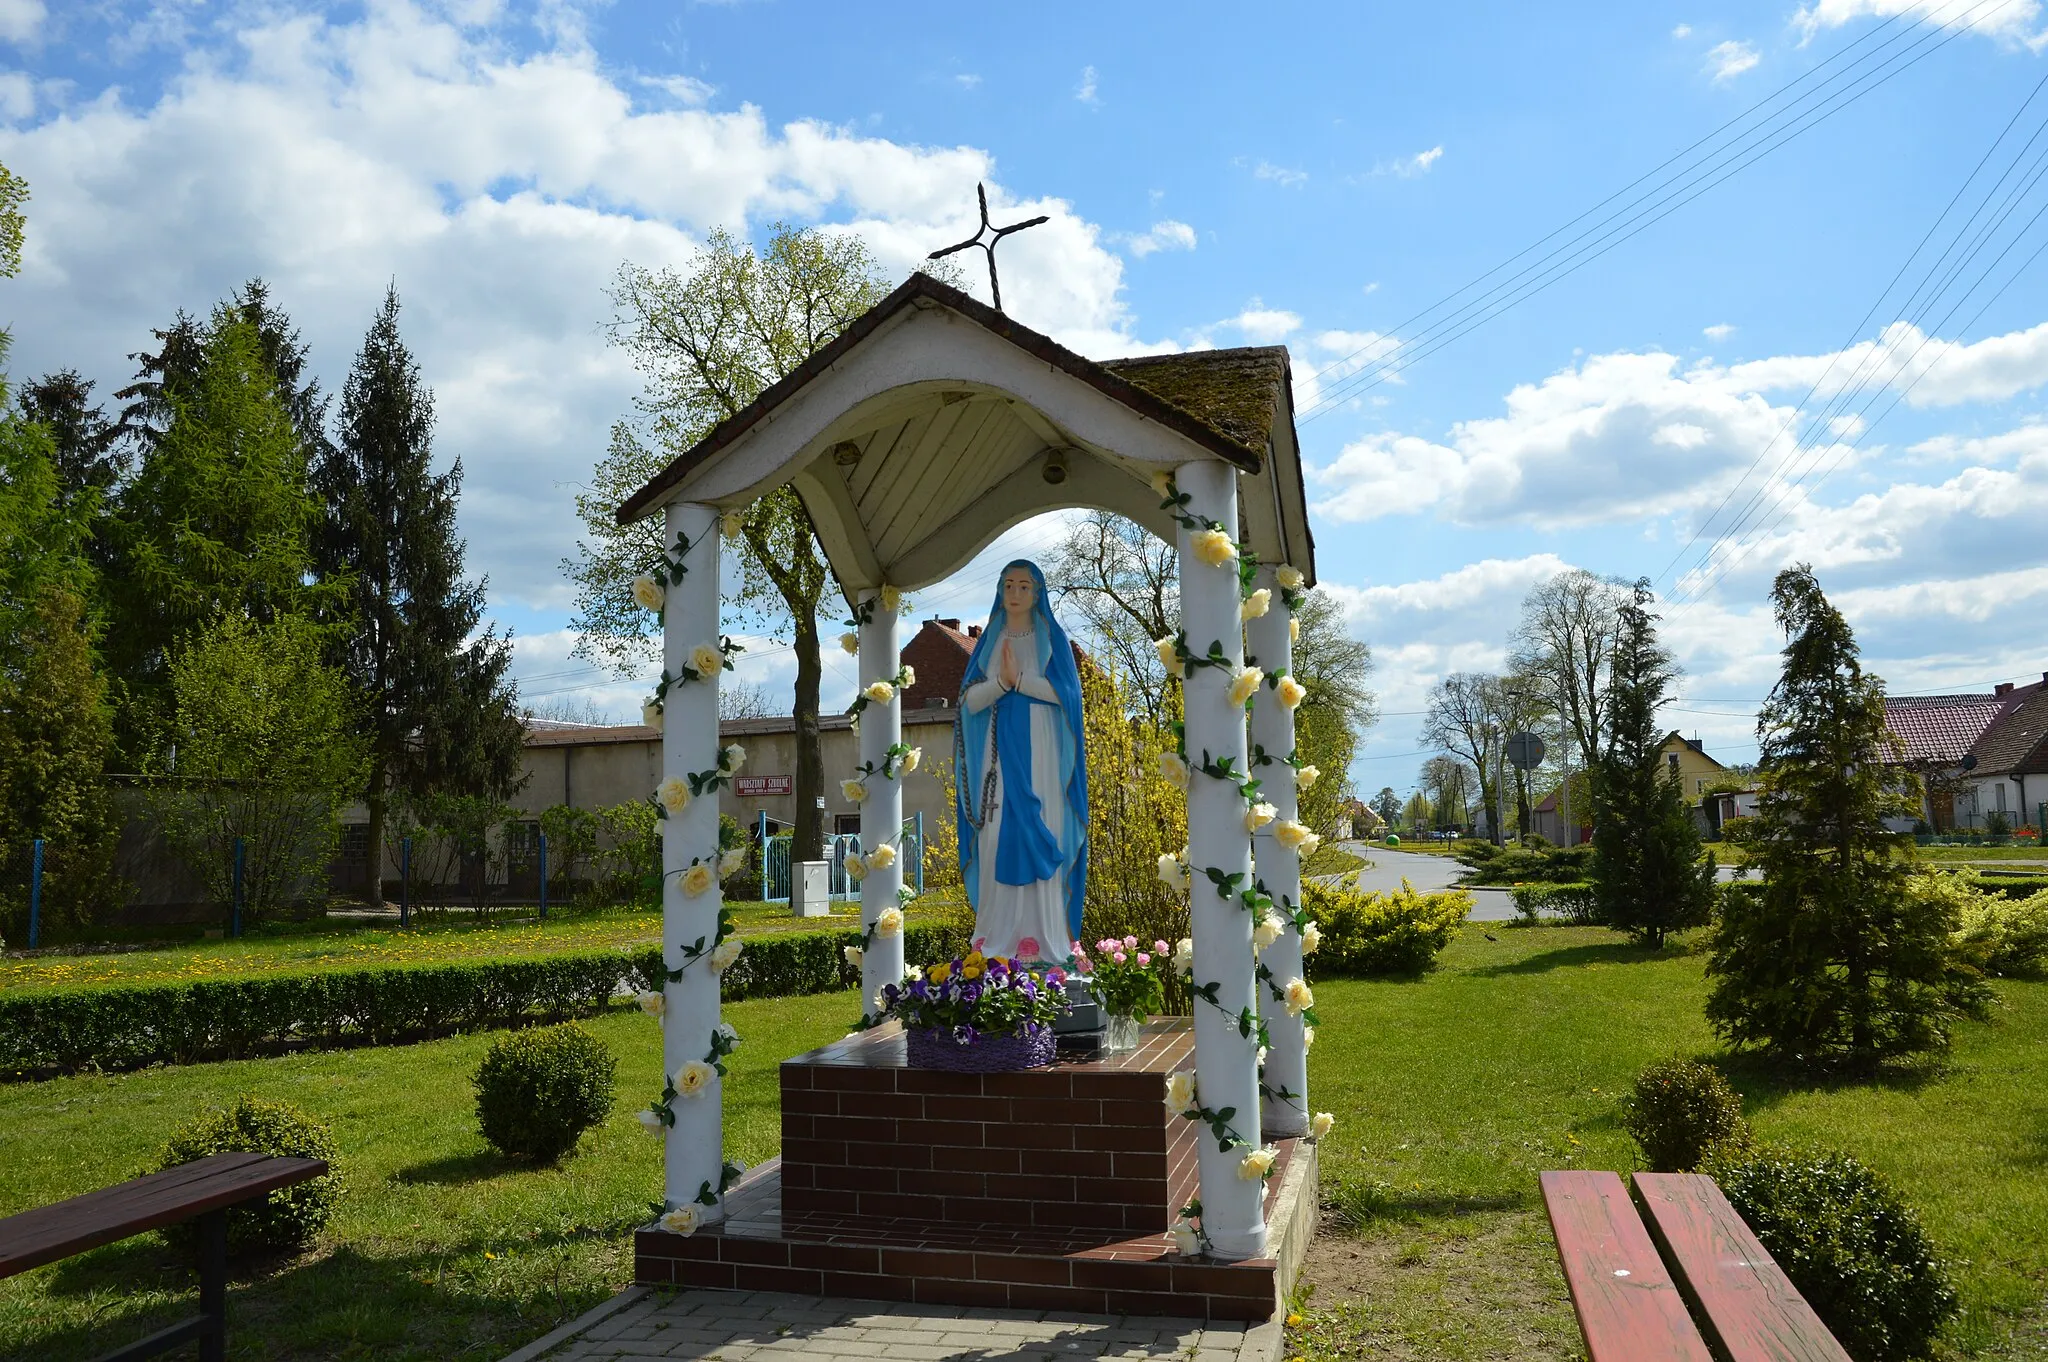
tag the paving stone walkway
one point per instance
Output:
(642, 1324)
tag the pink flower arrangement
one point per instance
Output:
(1124, 975)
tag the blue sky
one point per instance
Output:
(1308, 175)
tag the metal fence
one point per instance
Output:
(775, 878)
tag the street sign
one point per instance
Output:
(1525, 751)
(755, 786)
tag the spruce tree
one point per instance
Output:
(440, 710)
(1832, 959)
(216, 521)
(87, 446)
(1649, 877)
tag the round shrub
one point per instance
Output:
(287, 1218)
(1679, 1109)
(537, 1091)
(1849, 1243)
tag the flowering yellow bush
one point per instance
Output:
(1394, 933)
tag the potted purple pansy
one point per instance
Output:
(978, 1014)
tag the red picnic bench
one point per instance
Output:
(203, 1189)
(1675, 1275)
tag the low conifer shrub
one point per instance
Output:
(537, 1091)
(1678, 1112)
(286, 1219)
(1849, 1243)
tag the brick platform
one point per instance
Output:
(1049, 1189)
(1083, 1144)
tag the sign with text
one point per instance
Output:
(764, 785)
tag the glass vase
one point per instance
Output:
(1120, 1035)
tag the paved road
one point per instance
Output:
(1390, 867)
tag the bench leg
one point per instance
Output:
(213, 1285)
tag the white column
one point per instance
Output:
(1285, 1085)
(881, 816)
(1226, 1062)
(689, 745)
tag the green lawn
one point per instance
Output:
(441, 1250)
(433, 940)
(1453, 1092)
(1331, 859)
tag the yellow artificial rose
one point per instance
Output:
(882, 857)
(849, 643)
(1258, 815)
(1162, 483)
(911, 759)
(1169, 655)
(1174, 769)
(682, 1220)
(1290, 833)
(853, 791)
(881, 692)
(892, 599)
(697, 879)
(647, 593)
(694, 1078)
(1306, 777)
(706, 661)
(1322, 1125)
(889, 923)
(856, 869)
(1289, 577)
(1255, 1165)
(1293, 629)
(1213, 547)
(1311, 937)
(1180, 1092)
(1246, 684)
(1290, 692)
(1256, 604)
(673, 794)
(1299, 997)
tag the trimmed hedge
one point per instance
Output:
(1574, 903)
(129, 1026)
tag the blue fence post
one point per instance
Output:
(543, 877)
(241, 856)
(35, 894)
(405, 881)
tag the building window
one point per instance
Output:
(1672, 758)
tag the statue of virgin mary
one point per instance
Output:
(1022, 797)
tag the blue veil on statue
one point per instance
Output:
(1029, 849)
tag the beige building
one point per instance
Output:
(592, 766)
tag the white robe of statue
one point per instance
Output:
(1028, 921)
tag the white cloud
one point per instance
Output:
(967, 80)
(1682, 31)
(1726, 61)
(501, 193)
(2013, 21)
(1408, 167)
(1085, 92)
(1280, 175)
(1166, 235)
(683, 89)
(1348, 351)
(1264, 325)
(17, 95)
(19, 19)
(1720, 331)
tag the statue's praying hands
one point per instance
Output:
(1006, 669)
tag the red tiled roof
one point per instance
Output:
(2017, 740)
(938, 652)
(1940, 728)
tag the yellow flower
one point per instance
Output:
(647, 593)
(970, 971)
(1180, 1092)
(1290, 692)
(697, 879)
(1169, 655)
(1173, 874)
(936, 974)
(1246, 684)
(1322, 1124)
(1308, 1038)
(882, 857)
(706, 661)
(892, 599)
(724, 953)
(1256, 1164)
(1311, 937)
(854, 955)
(849, 643)
(907, 677)
(683, 1220)
(1290, 833)
(911, 759)
(1162, 482)
(735, 757)
(856, 869)
(881, 692)
(1174, 769)
(1256, 604)
(1289, 577)
(1213, 547)
(731, 523)
(974, 960)
(1306, 777)
(673, 794)
(693, 1078)
(1293, 629)
(1258, 815)
(854, 791)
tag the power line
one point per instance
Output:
(1742, 150)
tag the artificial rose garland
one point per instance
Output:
(1257, 604)
(1213, 547)
(1246, 684)
(648, 593)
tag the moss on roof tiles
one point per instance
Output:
(1235, 391)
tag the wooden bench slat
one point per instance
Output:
(1628, 1307)
(49, 1233)
(1744, 1301)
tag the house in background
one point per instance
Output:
(1976, 754)
(1684, 759)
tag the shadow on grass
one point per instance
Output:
(343, 1303)
(1358, 1203)
(1764, 1081)
(453, 1170)
(1570, 957)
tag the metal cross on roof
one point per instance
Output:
(989, 246)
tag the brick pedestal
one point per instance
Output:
(1078, 1145)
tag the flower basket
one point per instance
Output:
(937, 1048)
